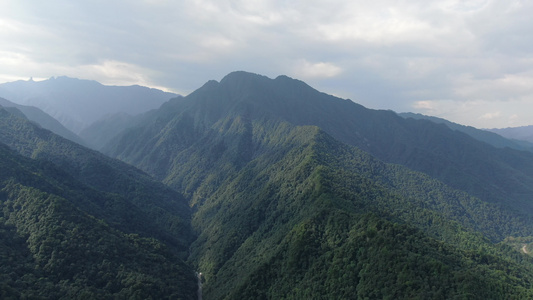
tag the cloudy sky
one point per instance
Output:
(467, 61)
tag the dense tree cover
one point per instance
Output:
(503, 176)
(51, 248)
(280, 209)
(336, 255)
(411, 196)
(247, 207)
(254, 175)
(136, 203)
(247, 225)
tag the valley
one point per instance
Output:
(272, 190)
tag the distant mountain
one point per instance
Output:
(44, 120)
(101, 132)
(78, 224)
(77, 103)
(292, 196)
(524, 133)
(486, 136)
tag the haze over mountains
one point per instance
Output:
(518, 133)
(77, 103)
(43, 119)
(272, 190)
(494, 137)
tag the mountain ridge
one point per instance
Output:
(421, 146)
(287, 192)
(77, 103)
(106, 175)
(522, 133)
(53, 247)
(43, 119)
(249, 155)
(488, 136)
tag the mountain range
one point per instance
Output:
(272, 190)
(505, 175)
(43, 119)
(78, 103)
(491, 136)
(524, 133)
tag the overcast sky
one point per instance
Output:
(467, 61)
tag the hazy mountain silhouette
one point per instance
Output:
(77, 103)
(38, 116)
(523, 133)
(101, 132)
(488, 136)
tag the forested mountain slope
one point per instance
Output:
(43, 119)
(503, 176)
(486, 136)
(142, 205)
(292, 223)
(57, 243)
(291, 194)
(285, 209)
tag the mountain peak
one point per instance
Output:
(239, 75)
(242, 79)
(258, 96)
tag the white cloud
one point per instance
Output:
(477, 113)
(381, 30)
(383, 53)
(505, 88)
(464, 6)
(305, 70)
(424, 105)
(119, 73)
(491, 115)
